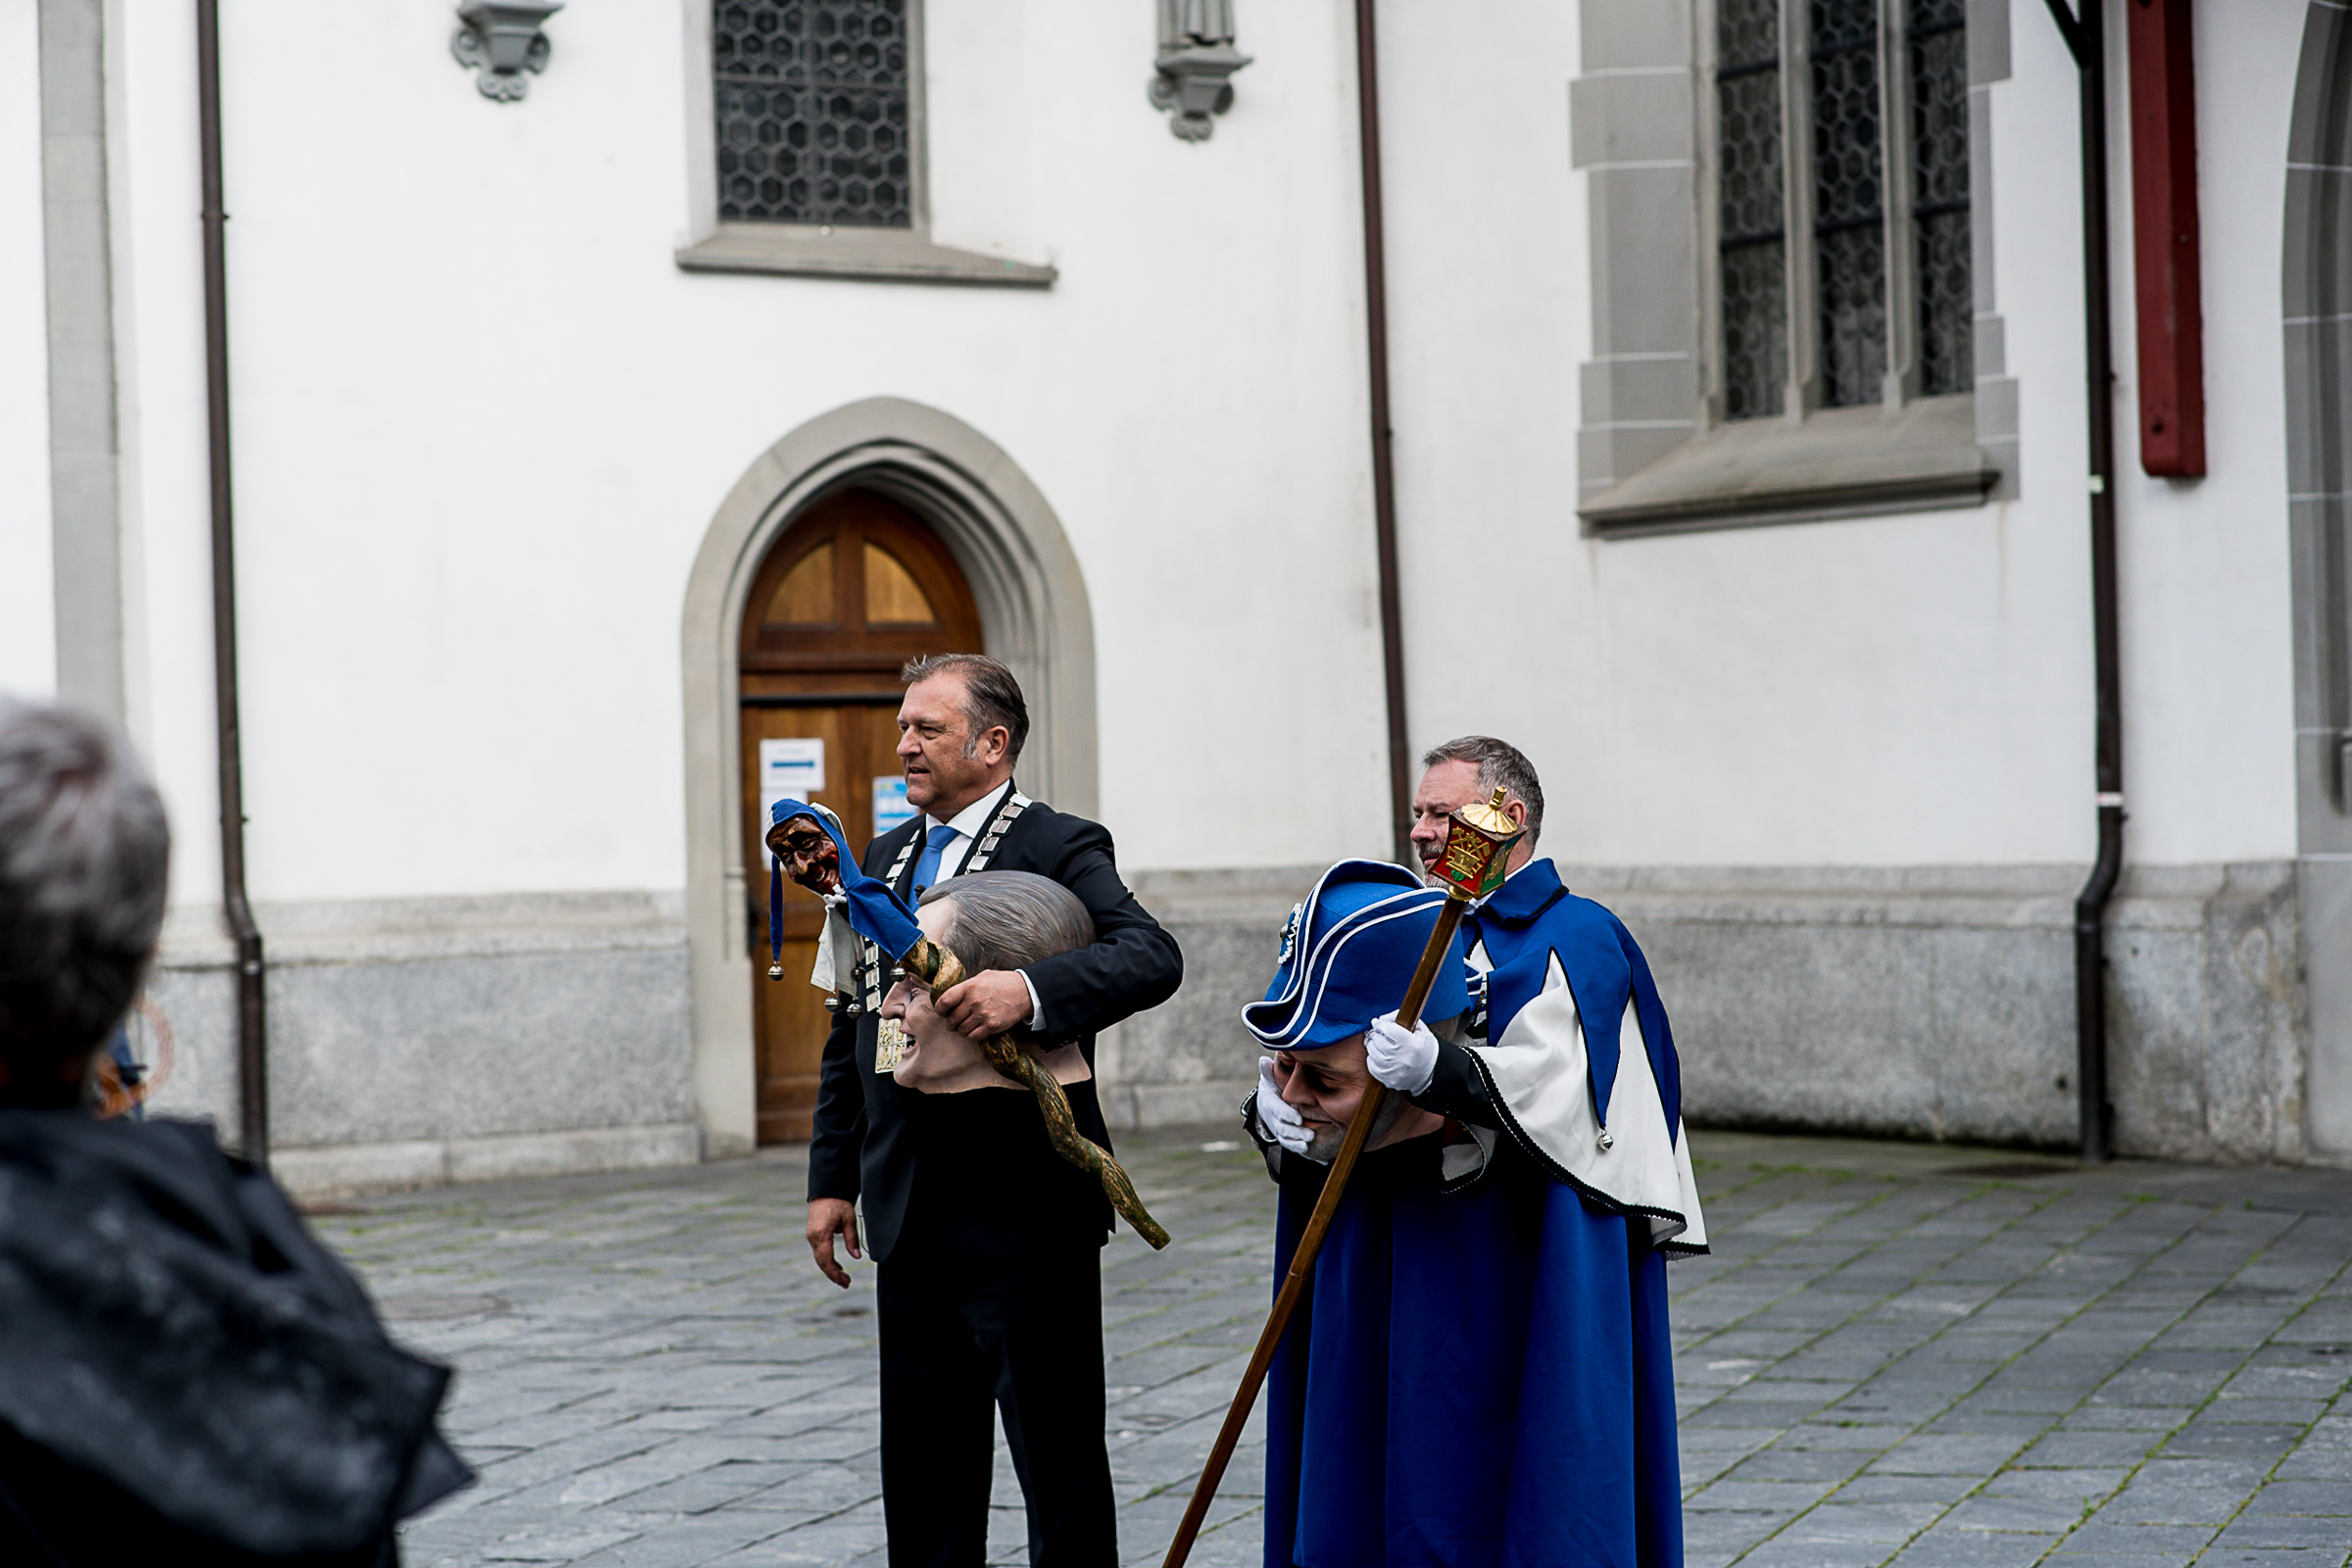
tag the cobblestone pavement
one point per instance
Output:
(1928, 1356)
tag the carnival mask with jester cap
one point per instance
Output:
(1348, 955)
(810, 838)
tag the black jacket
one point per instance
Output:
(187, 1376)
(867, 1140)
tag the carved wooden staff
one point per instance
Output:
(1477, 843)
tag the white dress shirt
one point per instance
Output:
(968, 824)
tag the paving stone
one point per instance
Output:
(2331, 1498)
(2158, 1542)
(1878, 1364)
(1991, 1510)
(1948, 1454)
(2273, 1531)
(1837, 1521)
(1944, 1547)
(2220, 1440)
(2072, 1450)
(2139, 1504)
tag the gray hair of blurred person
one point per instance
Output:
(1009, 919)
(1500, 763)
(84, 851)
(991, 696)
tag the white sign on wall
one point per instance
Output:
(792, 767)
(890, 802)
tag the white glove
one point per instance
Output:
(1277, 1115)
(1404, 1060)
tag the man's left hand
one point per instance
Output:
(1402, 1060)
(990, 1002)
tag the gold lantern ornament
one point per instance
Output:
(1477, 849)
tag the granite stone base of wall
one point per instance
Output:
(1939, 1001)
(1190, 1059)
(1924, 1002)
(458, 1024)
(423, 1040)
(342, 1170)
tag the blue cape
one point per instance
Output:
(874, 911)
(1533, 917)
(1477, 1379)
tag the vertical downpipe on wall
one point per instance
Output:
(1383, 468)
(2087, 40)
(253, 1038)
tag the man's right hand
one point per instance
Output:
(828, 1217)
(1280, 1119)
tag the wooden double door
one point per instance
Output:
(853, 590)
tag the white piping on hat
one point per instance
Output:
(1327, 955)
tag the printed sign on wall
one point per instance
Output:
(890, 802)
(793, 766)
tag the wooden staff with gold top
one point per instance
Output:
(1478, 842)
(810, 844)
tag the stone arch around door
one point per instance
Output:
(1034, 613)
(2317, 296)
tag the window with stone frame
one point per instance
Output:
(1793, 313)
(814, 118)
(1841, 203)
(815, 123)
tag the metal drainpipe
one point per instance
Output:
(2087, 39)
(253, 1059)
(1383, 470)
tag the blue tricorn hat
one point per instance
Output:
(1348, 955)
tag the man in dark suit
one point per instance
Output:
(986, 1298)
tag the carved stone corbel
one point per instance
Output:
(1193, 73)
(500, 40)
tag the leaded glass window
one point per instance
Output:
(1938, 42)
(1850, 215)
(812, 102)
(1752, 238)
(1858, 118)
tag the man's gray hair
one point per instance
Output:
(84, 849)
(991, 696)
(1499, 764)
(1009, 919)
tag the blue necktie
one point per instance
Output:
(926, 870)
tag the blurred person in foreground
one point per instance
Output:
(1481, 1374)
(188, 1377)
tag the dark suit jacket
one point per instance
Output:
(869, 1136)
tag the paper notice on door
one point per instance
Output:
(790, 768)
(890, 802)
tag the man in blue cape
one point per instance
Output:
(1481, 1373)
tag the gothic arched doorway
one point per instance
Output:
(855, 586)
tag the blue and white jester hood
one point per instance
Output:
(1576, 1054)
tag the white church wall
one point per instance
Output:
(483, 421)
(28, 623)
(1914, 690)
(464, 464)
(2204, 573)
(1839, 774)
